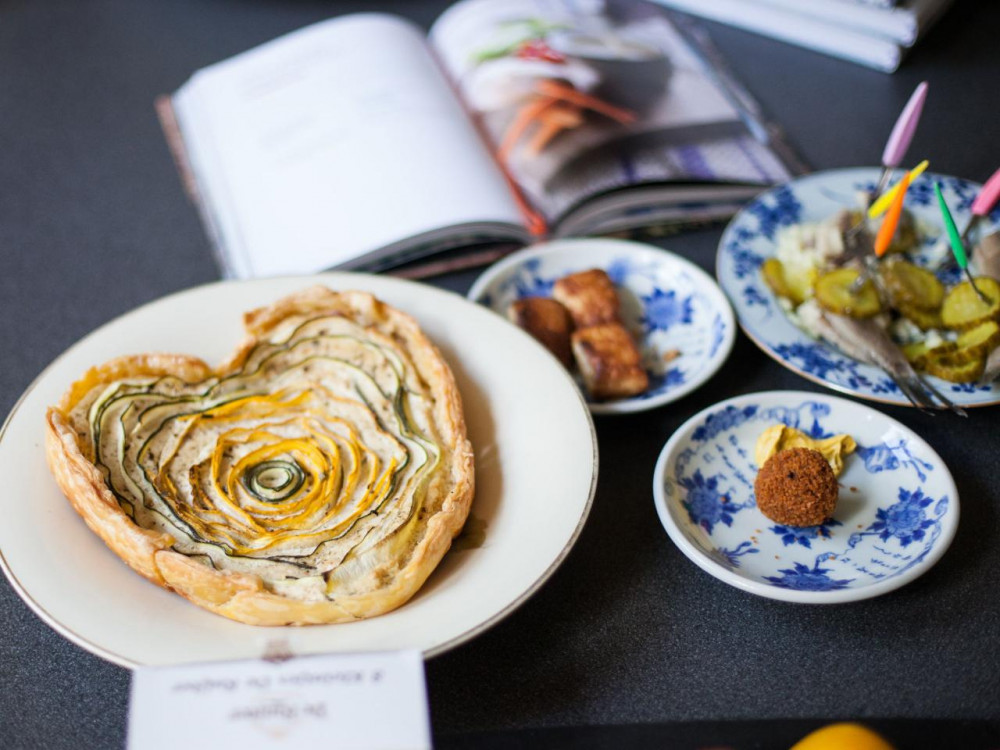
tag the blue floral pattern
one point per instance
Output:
(730, 558)
(803, 535)
(722, 420)
(891, 456)
(804, 578)
(750, 239)
(705, 504)
(665, 381)
(778, 208)
(905, 521)
(719, 329)
(665, 308)
(896, 504)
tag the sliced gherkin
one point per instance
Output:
(918, 352)
(911, 285)
(925, 320)
(981, 339)
(963, 308)
(954, 368)
(835, 292)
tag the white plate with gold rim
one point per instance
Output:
(529, 512)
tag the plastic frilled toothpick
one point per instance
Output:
(955, 240)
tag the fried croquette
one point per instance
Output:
(796, 487)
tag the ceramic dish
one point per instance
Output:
(896, 515)
(667, 302)
(525, 516)
(751, 238)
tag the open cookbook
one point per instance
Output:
(362, 142)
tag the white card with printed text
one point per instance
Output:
(360, 701)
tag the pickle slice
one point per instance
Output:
(950, 367)
(834, 292)
(962, 308)
(773, 272)
(911, 285)
(800, 283)
(981, 339)
(795, 287)
(918, 352)
(925, 320)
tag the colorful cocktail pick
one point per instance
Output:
(905, 127)
(901, 135)
(891, 221)
(955, 240)
(984, 202)
(899, 141)
(878, 207)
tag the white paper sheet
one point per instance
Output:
(359, 701)
(332, 142)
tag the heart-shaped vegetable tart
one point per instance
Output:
(318, 476)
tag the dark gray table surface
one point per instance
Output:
(93, 222)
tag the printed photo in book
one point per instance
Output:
(362, 142)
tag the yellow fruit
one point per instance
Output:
(844, 736)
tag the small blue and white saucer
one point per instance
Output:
(751, 238)
(896, 515)
(681, 319)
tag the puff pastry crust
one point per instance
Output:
(318, 476)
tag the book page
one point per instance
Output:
(334, 143)
(584, 97)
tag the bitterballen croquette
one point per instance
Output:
(796, 487)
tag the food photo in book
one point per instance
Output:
(584, 98)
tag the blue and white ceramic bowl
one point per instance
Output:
(896, 515)
(668, 303)
(751, 237)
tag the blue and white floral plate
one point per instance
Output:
(668, 303)
(751, 237)
(896, 515)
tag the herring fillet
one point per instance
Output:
(987, 262)
(986, 258)
(865, 340)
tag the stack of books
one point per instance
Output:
(876, 33)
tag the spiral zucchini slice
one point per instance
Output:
(308, 473)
